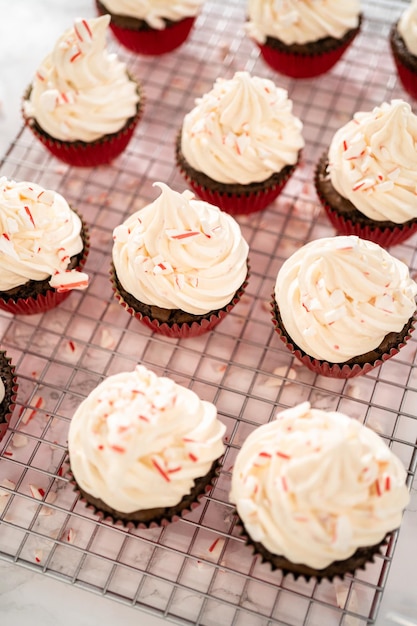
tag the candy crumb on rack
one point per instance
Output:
(19, 440)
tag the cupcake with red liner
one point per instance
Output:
(343, 305)
(366, 180)
(317, 493)
(151, 28)
(44, 246)
(143, 449)
(239, 145)
(403, 44)
(300, 38)
(8, 391)
(70, 106)
(179, 264)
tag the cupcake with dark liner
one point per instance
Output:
(44, 247)
(239, 145)
(317, 493)
(343, 305)
(302, 39)
(143, 449)
(151, 28)
(366, 180)
(403, 44)
(8, 391)
(70, 105)
(179, 265)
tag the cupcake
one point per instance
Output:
(143, 449)
(403, 42)
(44, 245)
(367, 179)
(151, 27)
(8, 391)
(240, 144)
(343, 305)
(71, 107)
(317, 493)
(179, 264)
(300, 38)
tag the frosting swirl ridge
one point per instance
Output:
(373, 162)
(72, 96)
(139, 441)
(315, 485)
(180, 253)
(242, 131)
(39, 234)
(301, 21)
(340, 296)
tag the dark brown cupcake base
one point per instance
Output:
(172, 322)
(102, 151)
(405, 61)
(7, 374)
(356, 366)
(348, 220)
(337, 569)
(234, 198)
(150, 518)
(139, 37)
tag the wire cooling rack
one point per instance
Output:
(197, 570)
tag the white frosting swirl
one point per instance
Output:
(301, 21)
(73, 92)
(2, 390)
(39, 233)
(340, 296)
(373, 162)
(139, 441)
(407, 27)
(314, 486)
(180, 253)
(242, 131)
(154, 12)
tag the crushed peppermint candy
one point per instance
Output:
(69, 280)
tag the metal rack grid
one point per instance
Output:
(197, 570)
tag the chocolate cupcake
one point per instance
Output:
(8, 391)
(70, 105)
(179, 264)
(300, 39)
(239, 145)
(142, 449)
(366, 180)
(44, 248)
(148, 29)
(317, 493)
(343, 305)
(404, 48)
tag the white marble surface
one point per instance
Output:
(26, 597)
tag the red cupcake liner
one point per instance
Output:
(153, 41)
(301, 66)
(336, 370)
(184, 330)
(385, 237)
(407, 77)
(5, 419)
(41, 303)
(168, 516)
